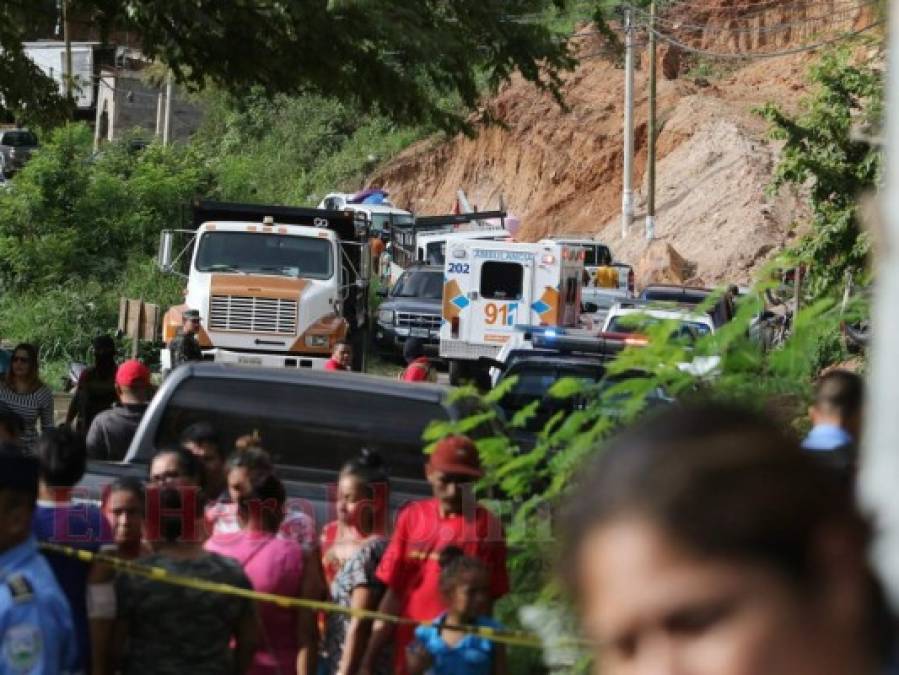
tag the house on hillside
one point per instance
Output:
(111, 89)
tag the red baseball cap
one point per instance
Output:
(456, 454)
(132, 373)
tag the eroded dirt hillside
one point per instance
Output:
(561, 171)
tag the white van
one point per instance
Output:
(490, 287)
(431, 248)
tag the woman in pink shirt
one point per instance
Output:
(287, 640)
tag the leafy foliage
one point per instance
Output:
(73, 215)
(292, 149)
(77, 231)
(393, 56)
(534, 477)
(822, 154)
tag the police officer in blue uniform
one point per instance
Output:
(37, 635)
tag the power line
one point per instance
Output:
(766, 55)
(754, 8)
(833, 16)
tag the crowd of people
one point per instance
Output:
(704, 541)
(205, 514)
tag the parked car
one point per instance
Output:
(16, 147)
(412, 308)
(310, 421)
(543, 358)
(721, 312)
(636, 317)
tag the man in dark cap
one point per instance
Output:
(96, 387)
(184, 346)
(37, 634)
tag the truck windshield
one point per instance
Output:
(420, 284)
(597, 256)
(435, 253)
(636, 323)
(253, 252)
(381, 222)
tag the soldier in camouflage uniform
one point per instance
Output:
(184, 346)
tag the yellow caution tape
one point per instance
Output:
(506, 637)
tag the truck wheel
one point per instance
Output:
(360, 343)
(458, 372)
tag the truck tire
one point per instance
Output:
(458, 372)
(360, 342)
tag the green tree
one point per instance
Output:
(74, 215)
(393, 56)
(822, 154)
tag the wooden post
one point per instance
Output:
(797, 291)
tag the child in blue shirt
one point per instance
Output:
(443, 649)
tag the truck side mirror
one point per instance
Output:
(164, 256)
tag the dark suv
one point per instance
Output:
(412, 308)
(16, 146)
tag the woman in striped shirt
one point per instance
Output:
(23, 392)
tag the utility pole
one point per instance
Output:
(68, 54)
(159, 114)
(627, 195)
(880, 461)
(651, 159)
(167, 124)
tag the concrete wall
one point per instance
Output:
(126, 102)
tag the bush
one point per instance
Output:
(73, 215)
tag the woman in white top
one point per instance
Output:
(23, 392)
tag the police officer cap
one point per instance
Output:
(18, 471)
(190, 314)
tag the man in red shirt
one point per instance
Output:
(341, 357)
(418, 368)
(410, 567)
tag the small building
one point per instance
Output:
(87, 59)
(127, 101)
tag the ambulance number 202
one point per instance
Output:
(459, 268)
(503, 314)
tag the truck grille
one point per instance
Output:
(252, 315)
(409, 320)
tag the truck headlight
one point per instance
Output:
(316, 340)
(385, 316)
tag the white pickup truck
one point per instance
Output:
(606, 283)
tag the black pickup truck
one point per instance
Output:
(311, 422)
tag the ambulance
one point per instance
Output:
(490, 287)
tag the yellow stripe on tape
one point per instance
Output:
(511, 638)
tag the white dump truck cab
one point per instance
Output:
(381, 217)
(490, 287)
(270, 290)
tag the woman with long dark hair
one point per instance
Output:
(352, 548)
(23, 392)
(273, 564)
(704, 542)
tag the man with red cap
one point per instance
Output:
(410, 567)
(111, 431)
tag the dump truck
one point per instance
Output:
(275, 286)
